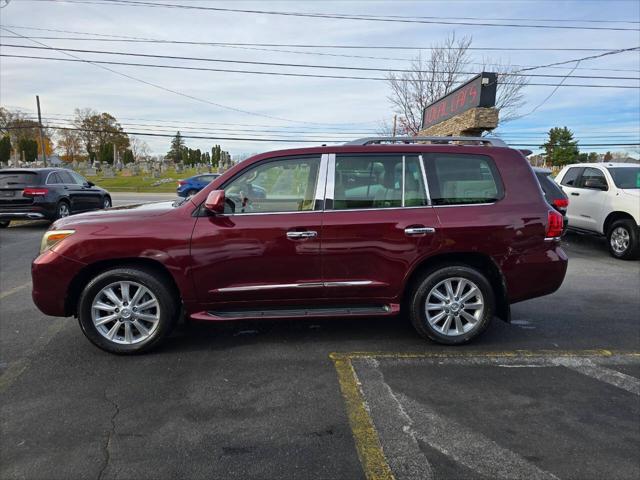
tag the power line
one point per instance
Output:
(276, 140)
(101, 65)
(550, 20)
(329, 67)
(335, 16)
(298, 45)
(282, 74)
(341, 55)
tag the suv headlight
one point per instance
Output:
(53, 237)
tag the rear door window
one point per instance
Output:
(18, 179)
(377, 181)
(569, 179)
(66, 178)
(460, 179)
(53, 179)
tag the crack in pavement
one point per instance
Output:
(110, 434)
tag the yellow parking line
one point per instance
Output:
(368, 446)
(14, 290)
(477, 354)
(365, 436)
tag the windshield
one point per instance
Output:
(626, 177)
(17, 179)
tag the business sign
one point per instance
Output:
(480, 91)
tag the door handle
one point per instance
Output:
(301, 235)
(575, 194)
(418, 230)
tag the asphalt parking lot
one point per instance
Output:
(555, 394)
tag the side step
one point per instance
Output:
(297, 312)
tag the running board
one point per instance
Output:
(298, 312)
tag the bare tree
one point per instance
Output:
(432, 77)
(139, 148)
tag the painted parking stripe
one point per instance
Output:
(604, 374)
(400, 421)
(368, 444)
(394, 426)
(14, 290)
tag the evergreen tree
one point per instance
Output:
(5, 149)
(608, 157)
(127, 157)
(594, 157)
(105, 154)
(30, 149)
(177, 148)
(561, 148)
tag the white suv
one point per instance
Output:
(604, 198)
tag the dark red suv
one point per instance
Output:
(450, 231)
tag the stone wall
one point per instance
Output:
(470, 123)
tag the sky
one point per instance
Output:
(249, 106)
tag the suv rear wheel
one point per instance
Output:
(126, 311)
(452, 305)
(623, 239)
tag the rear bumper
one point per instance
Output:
(51, 275)
(28, 212)
(536, 273)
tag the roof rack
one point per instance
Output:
(490, 141)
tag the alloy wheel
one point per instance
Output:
(455, 306)
(620, 240)
(107, 203)
(63, 210)
(125, 312)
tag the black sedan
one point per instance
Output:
(46, 193)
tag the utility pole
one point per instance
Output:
(44, 154)
(395, 119)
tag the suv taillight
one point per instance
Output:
(34, 192)
(561, 202)
(554, 224)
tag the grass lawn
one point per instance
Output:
(143, 183)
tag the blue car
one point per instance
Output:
(193, 185)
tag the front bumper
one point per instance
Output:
(52, 275)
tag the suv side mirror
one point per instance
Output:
(596, 184)
(90, 184)
(215, 201)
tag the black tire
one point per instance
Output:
(106, 202)
(60, 210)
(431, 279)
(4, 223)
(616, 249)
(168, 310)
(191, 193)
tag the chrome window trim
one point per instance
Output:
(464, 205)
(424, 179)
(331, 183)
(321, 182)
(404, 158)
(266, 213)
(377, 209)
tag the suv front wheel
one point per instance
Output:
(452, 305)
(126, 310)
(623, 239)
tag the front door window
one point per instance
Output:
(287, 185)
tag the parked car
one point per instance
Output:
(47, 193)
(450, 234)
(192, 185)
(605, 200)
(553, 194)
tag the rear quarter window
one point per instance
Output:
(462, 179)
(17, 179)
